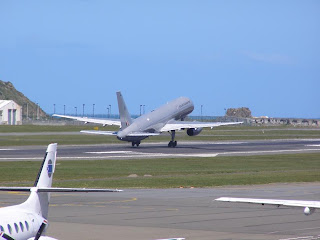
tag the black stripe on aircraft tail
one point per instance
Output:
(39, 173)
(42, 227)
(5, 236)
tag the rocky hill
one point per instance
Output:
(8, 92)
(243, 112)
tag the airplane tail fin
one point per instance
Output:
(123, 112)
(39, 198)
(44, 178)
(39, 201)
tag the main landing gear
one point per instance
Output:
(135, 143)
(172, 143)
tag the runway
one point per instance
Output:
(146, 214)
(160, 150)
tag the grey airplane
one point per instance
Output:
(167, 118)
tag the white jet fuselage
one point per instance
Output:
(19, 223)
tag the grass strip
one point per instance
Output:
(171, 172)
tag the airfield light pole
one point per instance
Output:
(76, 111)
(140, 109)
(83, 110)
(27, 111)
(93, 110)
(201, 111)
(38, 111)
(64, 109)
(108, 115)
(54, 108)
(109, 110)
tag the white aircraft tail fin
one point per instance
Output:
(45, 175)
(39, 201)
(123, 112)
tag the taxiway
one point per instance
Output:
(146, 214)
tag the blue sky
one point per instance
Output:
(264, 55)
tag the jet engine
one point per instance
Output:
(308, 211)
(194, 131)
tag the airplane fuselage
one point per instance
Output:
(19, 223)
(168, 118)
(154, 121)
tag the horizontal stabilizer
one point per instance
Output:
(110, 133)
(15, 189)
(77, 190)
(142, 134)
(92, 120)
(52, 189)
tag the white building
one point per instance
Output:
(10, 113)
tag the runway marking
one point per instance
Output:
(270, 151)
(93, 204)
(19, 193)
(313, 145)
(172, 209)
(110, 152)
(117, 201)
(8, 149)
(296, 230)
(300, 238)
(156, 154)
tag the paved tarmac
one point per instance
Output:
(160, 150)
(146, 214)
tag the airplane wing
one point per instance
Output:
(277, 202)
(178, 125)
(92, 120)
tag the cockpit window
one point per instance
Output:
(1, 229)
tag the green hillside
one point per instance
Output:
(8, 92)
